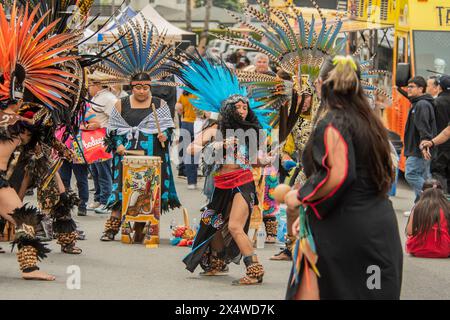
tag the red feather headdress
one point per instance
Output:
(31, 58)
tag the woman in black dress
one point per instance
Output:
(349, 169)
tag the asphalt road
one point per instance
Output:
(114, 270)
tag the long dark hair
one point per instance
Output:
(427, 210)
(343, 96)
(231, 119)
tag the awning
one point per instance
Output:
(348, 25)
(162, 25)
(355, 25)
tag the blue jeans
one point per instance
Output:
(190, 162)
(102, 176)
(81, 175)
(417, 170)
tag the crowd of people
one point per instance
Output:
(427, 165)
(305, 136)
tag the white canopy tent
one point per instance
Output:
(88, 37)
(162, 25)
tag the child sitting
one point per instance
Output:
(428, 226)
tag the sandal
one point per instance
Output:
(223, 272)
(270, 239)
(107, 237)
(283, 255)
(254, 273)
(71, 249)
(247, 281)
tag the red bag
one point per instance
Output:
(93, 147)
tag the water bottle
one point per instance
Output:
(173, 225)
(261, 236)
(195, 225)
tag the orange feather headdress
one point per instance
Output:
(31, 58)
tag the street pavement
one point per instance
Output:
(112, 270)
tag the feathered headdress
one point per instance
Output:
(215, 86)
(301, 52)
(369, 76)
(143, 51)
(30, 59)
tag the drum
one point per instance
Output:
(141, 199)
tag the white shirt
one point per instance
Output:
(104, 101)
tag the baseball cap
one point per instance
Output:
(444, 82)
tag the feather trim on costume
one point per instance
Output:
(61, 213)
(111, 141)
(27, 219)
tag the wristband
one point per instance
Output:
(432, 143)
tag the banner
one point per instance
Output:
(93, 148)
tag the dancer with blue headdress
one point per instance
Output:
(232, 145)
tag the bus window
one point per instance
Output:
(432, 52)
(401, 49)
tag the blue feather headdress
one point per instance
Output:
(301, 52)
(214, 86)
(143, 51)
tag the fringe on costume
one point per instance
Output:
(61, 213)
(31, 249)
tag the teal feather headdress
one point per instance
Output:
(301, 52)
(214, 85)
(143, 51)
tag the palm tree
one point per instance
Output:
(204, 36)
(189, 15)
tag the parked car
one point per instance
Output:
(219, 44)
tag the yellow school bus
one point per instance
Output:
(422, 39)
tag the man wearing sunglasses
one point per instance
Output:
(421, 125)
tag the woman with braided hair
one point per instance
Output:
(349, 228)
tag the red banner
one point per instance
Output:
(93, 148)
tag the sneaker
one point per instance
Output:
(192, 187)
(407, 213)
(82, 212)
(30, 192)
(94, 205)
(102, 209)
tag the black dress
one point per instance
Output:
(354, 228)
(150, 144)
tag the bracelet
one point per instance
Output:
(432, 143)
